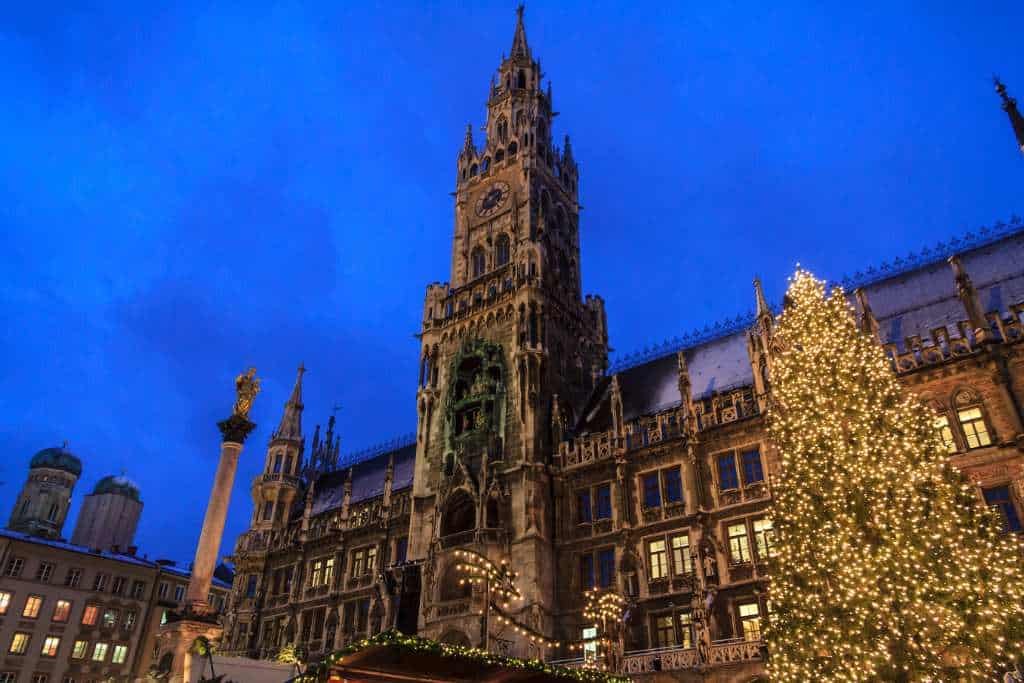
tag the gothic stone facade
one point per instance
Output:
(652, 480)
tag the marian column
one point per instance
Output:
(234, 430)
(197, 620)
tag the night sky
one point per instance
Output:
(186, 192)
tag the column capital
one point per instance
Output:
(235, 429)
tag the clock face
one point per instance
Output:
(491, 199)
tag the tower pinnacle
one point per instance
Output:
(519, 46)
(1010, 107)
(291, 420)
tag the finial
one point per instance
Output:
(762, 303)
(1010, 107)
(519, 11)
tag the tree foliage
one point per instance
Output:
(888, 568)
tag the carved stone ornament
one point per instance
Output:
(235, 429)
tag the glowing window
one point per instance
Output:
(946, 432)
(764, 538)
(32, 606)
(682, 561)
(62, 610)
(50, 645)
(739, 544)
(657, 558)
(973, 424)
(19, 643)
(99, 652)
(750, 619)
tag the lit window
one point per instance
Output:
(109, 618)
(764, 538)
(5, 602)
(750, 619)
(100, 582)
(652, 490)
(727, 476)
(658, 559)
(753, 473)
(328, 570)
(673, 485)
(682, 561)
(998, 497)
(50, 645)
(589, 645)
(357, 563)
(603, 494)
(90, 614)
(62, 610)
(99, 652)
(316, 569)
(79, 649)
(44, 572)
(665, 631)
(73, 578)
(120, 654)
(946, 432)
(19, 643)
(371, 559)
(685, 620)
(606, 567)
(973, 424)
(739, 544)
(33, 604)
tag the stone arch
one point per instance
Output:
(453, 585)
(459, 513)
(455, 637)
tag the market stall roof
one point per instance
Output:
(392, 658)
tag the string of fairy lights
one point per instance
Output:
(499, 582)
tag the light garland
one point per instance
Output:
(886, 565)
(397, 639)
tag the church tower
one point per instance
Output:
(510, 352)
(274, 491)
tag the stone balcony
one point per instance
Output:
(721, 653)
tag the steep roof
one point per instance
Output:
(367, 478)
(909, 296)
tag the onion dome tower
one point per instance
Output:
(110, 515)
(42, 506)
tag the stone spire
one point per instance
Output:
(519, 46)
(867, 322)
(1010, 107)
(468, 148)
(762, 303)
(291, 421)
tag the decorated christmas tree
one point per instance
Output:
(888, 568)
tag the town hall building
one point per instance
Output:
(650, 479)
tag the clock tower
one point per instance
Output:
(510, 353)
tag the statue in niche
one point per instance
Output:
(480, 385)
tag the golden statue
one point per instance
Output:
(247, 386)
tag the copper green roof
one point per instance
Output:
(57, 459)
(122, 486)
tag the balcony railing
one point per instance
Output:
(675, 658)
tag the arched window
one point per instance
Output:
(459, 514)
(472, 170)
(521, 79)
(502, 130)
(486, 165)
(501, 250)
(52, 516)
(479, 262)
(971, 416)
(512, 149)
(24, 505)
(493, 514)
(499, 156)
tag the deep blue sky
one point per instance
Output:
(185, 192)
